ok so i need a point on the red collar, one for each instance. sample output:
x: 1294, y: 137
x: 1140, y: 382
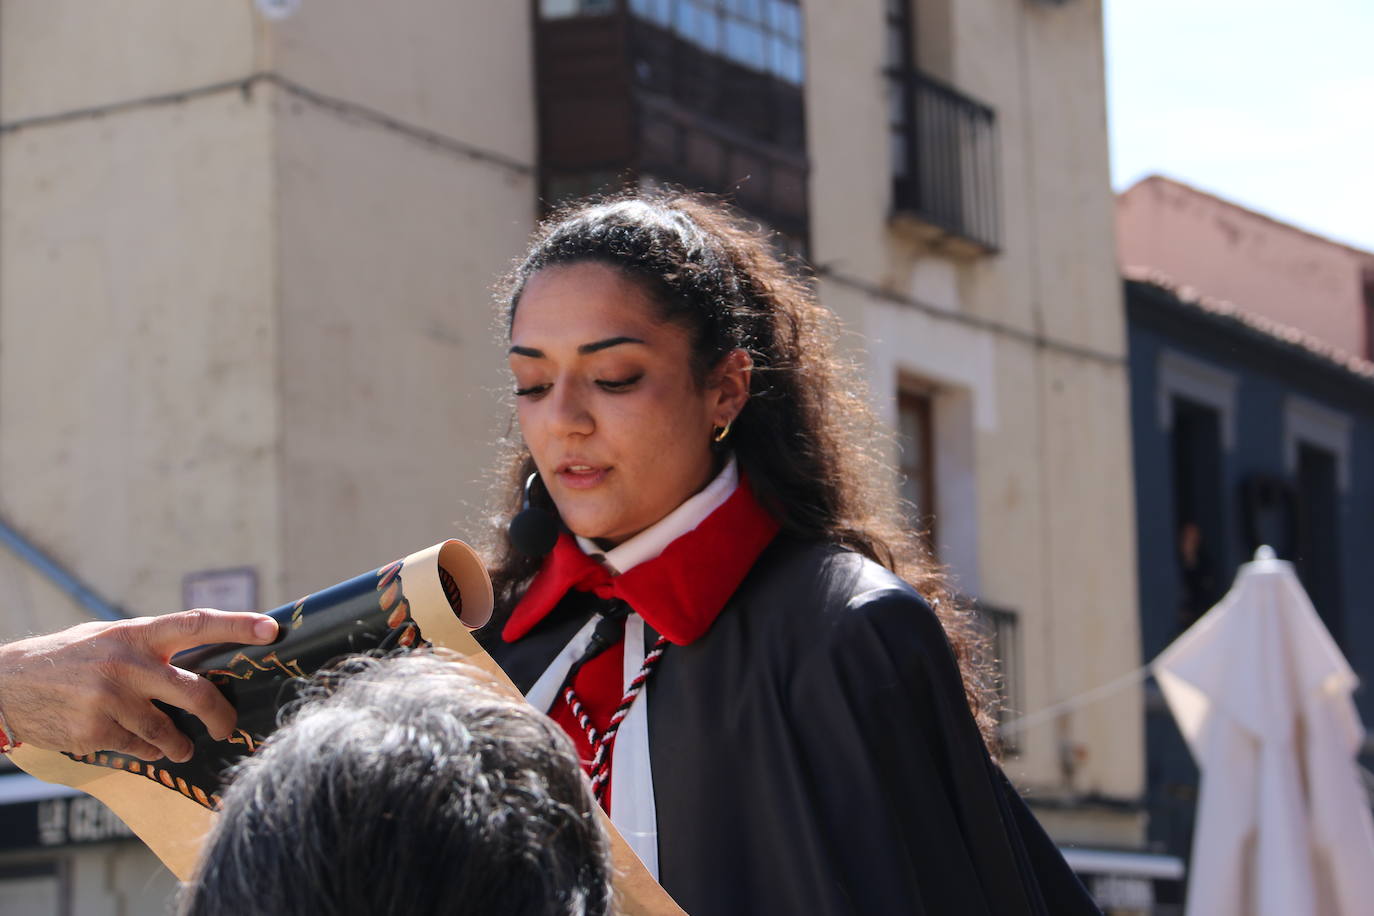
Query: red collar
x: 680, y: 592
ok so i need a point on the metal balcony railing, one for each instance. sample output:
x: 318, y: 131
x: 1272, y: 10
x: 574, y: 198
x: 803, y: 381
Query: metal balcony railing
x: 944, y: 147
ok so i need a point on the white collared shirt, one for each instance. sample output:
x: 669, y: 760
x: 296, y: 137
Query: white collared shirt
x: 632, y: 787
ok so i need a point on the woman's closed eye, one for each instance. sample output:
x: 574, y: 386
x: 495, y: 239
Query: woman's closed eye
x: 619, y: 384
x: 606, y: 384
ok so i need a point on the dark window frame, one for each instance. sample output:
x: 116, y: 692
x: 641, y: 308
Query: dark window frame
x: 1316, y: 482
x: 1199, y: 499
x: 1002, y: 627
x: 917, y: 399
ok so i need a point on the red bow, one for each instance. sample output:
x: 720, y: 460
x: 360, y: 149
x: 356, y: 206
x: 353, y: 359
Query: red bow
x: 680, y: 592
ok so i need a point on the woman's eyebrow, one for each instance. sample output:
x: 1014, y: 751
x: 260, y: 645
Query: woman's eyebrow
x: 608, y: 342
x: 585, y: 349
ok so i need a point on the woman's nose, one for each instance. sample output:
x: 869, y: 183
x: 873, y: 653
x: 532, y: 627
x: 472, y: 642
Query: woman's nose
x: 571, y: 412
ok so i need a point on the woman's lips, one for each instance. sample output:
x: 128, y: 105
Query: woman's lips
x: 581, y: 476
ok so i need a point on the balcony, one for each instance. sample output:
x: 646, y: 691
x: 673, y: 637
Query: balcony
x: 945, y: 164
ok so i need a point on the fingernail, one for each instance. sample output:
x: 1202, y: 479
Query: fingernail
x: 265, y: 628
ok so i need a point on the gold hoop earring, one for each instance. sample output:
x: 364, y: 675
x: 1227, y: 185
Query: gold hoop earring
x: 722, y: 432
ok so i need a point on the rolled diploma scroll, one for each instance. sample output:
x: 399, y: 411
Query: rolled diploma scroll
x: 170, y: 806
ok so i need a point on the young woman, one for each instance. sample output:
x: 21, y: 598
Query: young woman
x: 729, y: 625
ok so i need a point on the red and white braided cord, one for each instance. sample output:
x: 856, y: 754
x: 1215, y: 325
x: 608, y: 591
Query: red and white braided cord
x: 600, y: 767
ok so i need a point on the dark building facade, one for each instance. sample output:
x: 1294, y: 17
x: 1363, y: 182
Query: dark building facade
x: 1245, y: 433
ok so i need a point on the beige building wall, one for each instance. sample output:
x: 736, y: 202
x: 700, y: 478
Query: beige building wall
x: 234, y: 307
x: 394, y: 216
x: 138, y: 409
x: 245, y: 303
x: 1226, y: 251
x: 1025, y: 349
x: 137, y: 425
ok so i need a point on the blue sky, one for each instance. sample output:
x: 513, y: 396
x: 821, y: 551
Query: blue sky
x: 1268, y: 104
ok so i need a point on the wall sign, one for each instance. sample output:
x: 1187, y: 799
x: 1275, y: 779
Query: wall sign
x: 222, y: 589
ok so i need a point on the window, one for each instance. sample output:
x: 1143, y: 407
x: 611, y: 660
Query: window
x: 1317, y: 441
x: 915, y: 441
x: 1318, y: 558
x: 762, y: 35
x: 942, y: 143
x: 1311, y: 423
x: 785, y: 20
x: 1196, y: 382
x: 1199, y: 515
x: 1004, y: 638
x: 898, y: 60
x: 935, y: 413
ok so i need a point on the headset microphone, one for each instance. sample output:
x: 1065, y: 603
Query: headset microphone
x: 533, y: 531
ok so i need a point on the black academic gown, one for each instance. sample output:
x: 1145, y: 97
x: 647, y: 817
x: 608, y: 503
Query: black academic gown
x: 813, y: 753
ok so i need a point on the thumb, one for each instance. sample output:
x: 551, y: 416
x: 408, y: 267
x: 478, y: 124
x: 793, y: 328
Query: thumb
x: 171, y: 633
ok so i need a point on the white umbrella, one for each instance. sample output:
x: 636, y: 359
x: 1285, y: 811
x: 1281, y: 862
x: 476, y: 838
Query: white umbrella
x: 1262, y: 695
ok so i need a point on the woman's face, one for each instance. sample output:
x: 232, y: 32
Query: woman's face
x: 619, y: 428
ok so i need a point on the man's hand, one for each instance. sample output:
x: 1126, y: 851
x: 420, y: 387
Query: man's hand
x: 90, y: 688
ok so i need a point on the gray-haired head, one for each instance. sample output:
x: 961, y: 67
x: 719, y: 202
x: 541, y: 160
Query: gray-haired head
x: 405, y: 785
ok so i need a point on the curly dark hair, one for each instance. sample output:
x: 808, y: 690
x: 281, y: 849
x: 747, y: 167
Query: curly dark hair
x: 807, y: 438
x: 411, y: 785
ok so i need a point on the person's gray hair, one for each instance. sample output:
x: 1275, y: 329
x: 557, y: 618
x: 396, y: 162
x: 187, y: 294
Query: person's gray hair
x: 406, y: 785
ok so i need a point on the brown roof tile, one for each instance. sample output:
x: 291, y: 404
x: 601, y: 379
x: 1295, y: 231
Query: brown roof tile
x: 1292, y: 336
